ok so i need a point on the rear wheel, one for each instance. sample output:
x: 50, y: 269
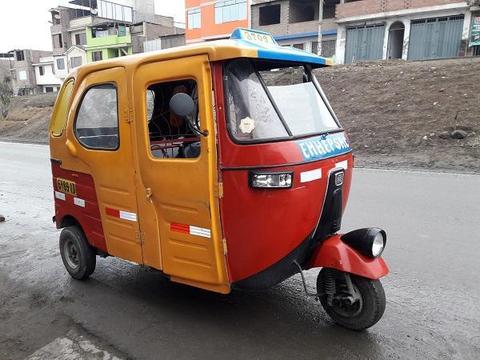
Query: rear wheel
x: 78, y: 256
x: 352, y: 301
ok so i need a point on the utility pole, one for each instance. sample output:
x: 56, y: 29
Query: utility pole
x: 320, y: 20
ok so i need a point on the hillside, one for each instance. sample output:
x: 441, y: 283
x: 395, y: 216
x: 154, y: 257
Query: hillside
x: 397, y: 114
x: 403, y: 115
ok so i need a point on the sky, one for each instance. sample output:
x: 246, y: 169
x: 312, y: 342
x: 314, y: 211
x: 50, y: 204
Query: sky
x: 30, y: 27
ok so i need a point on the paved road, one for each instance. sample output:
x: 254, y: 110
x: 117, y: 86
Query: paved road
x: 433, y: 292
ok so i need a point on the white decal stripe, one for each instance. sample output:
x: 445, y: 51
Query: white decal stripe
x: 59, y: 195
x: 311, y: 175
x: 125, y: 215
x: 79, y: 202
x: 342, y: 164
x: 194, y: 230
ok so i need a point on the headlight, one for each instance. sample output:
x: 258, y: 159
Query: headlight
x: 378, y: 244
x: 369, y: 241
x: 270, y: 180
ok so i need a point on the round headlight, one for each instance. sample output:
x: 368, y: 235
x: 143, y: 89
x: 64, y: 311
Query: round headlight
x: 378, y: 244
x: 369, y: 241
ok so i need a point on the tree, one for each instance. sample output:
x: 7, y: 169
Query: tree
x: 5, y: 95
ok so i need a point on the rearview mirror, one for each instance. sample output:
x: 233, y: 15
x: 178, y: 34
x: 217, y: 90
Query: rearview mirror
x: 182, y: 105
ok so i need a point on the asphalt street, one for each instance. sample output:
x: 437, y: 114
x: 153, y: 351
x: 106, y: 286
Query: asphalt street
x: 127, y: 311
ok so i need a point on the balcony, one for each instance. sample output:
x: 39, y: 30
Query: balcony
x: 370, y: 7
x: 107, y: 37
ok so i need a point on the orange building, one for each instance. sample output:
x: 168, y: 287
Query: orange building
x: 210, y: 20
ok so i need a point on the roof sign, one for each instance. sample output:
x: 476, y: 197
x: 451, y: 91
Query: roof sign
x: 254, y: 36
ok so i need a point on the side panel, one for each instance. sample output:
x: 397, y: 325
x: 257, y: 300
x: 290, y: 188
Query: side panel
x: 83, y: 206
x: 112, y: 171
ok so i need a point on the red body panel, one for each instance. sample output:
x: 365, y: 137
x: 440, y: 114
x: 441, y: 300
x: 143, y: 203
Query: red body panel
x: 263, y: 226
x: 88, y: 216
x: 335, y: 254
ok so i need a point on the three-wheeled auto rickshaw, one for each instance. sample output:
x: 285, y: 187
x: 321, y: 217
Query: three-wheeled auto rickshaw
x: 221, y: 164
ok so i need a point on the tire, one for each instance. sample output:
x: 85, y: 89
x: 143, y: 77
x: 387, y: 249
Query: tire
x: 366, y: 312
x: 78, y: 257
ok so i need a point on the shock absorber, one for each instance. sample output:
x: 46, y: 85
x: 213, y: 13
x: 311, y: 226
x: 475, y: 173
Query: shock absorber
x: 329, y: 285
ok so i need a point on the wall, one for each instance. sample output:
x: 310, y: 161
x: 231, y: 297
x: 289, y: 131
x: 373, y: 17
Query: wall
x: 209, y: 30
x: 48, y: 77
x: 405, y: 18
x: 366, y: 7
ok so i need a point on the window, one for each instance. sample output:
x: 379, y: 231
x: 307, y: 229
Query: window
x: 20, y: 55
x: 75, y: 61
x: 41, y: 70
x: 96, y: 125
x: 97, y: 56
x: 170, y: 135
x: 267, y: 101
x: 298, y: 46
x: 57, y: 41
x: 60, y: 112
x: 270, y: 15
x: 194, y: 18
x: 60, y: 64
x: 329, y: 7
x: 22, y: 75
x: 300, y: 11
x: 80, y: 39
x: 230, y: 10
x: 48, y: 89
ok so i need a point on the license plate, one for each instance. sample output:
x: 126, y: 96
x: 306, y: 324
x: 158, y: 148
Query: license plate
x: 66, y: 186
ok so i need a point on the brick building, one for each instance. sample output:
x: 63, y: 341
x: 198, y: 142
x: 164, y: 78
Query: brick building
x: 305, y: 24
x: 404, y: 29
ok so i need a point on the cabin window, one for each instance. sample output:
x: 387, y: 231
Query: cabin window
x: 62, y: 106
x: 96, y: 125
x: 171, y: 136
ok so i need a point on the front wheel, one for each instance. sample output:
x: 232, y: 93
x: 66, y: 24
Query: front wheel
x: 352, y: 301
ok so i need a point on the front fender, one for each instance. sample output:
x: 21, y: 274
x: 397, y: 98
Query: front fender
x: 334, y: 253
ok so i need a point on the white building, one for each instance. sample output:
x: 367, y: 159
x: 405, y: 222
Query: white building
x: 45, y: 76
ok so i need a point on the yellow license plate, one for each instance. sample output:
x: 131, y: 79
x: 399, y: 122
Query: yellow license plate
x: 66, y: 186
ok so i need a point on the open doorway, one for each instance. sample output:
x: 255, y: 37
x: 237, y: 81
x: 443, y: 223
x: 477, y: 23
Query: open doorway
x: 395, y: 40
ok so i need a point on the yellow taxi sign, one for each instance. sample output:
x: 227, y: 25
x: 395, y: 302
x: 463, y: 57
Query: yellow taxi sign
x: 254, y: 36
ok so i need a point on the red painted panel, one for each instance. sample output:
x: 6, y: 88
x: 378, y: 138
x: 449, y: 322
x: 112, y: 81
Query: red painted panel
x: 88, y: 216
x: 335, y: 254
x: 263, y: 226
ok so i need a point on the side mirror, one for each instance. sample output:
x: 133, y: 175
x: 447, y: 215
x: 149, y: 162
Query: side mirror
x: 182, y: 105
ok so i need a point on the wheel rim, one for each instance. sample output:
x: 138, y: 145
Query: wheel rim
x: 345, y: 309
x: 72, y: 254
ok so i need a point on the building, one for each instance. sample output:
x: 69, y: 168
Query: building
x: 84, y: 31
x: 159, y: 32
x: 22, y: 71
x: 404, y: 29
x: 212, y: 20
x: 305, y: 24
x: 5, y: 61
x: 91, y: 30
x: 45, y: 76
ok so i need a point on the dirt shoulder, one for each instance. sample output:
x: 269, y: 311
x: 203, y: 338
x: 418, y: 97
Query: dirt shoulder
x: 410, y: 115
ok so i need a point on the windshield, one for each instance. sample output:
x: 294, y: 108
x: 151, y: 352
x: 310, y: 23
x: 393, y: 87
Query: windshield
x: 268, y: 102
